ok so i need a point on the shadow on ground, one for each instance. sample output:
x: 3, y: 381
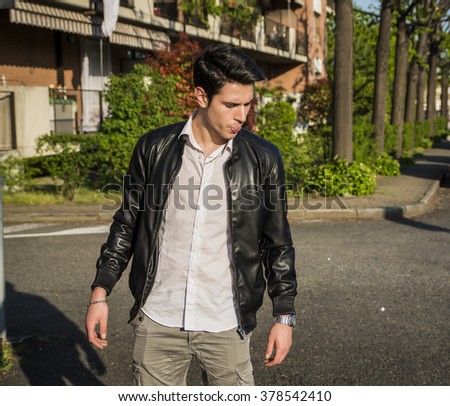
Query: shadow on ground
x: 50, y: 347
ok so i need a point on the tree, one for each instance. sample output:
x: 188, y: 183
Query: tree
x: 276, y: 123
x: 365, y: 33
x: 423, y: 18
x: 343, y: 82
x: 401, y: 71
x: 436, y: 39
x: 179, y: 62
x: 381, y: 73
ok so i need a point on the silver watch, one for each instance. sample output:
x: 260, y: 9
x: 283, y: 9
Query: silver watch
x: 288, y: 320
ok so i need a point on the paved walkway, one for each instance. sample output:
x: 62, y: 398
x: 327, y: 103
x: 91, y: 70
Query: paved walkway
x: 401, y: 196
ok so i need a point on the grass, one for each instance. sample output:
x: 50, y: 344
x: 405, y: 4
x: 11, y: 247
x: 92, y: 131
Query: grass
x: 8, y: 357
x: 42, y: 197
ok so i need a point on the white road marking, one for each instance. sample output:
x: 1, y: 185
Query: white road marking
x: 100, y: 229
x: 28, y: 226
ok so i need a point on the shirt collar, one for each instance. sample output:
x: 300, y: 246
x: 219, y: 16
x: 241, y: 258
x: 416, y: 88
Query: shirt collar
x: 189, y: 135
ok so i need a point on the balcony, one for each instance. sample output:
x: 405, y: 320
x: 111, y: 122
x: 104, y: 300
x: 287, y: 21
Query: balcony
x: 170, y: 10
x: 166, y: 9
x: 277, y: 34
x: 232, y: 29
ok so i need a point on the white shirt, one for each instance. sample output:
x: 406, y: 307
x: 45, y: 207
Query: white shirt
x: 193, y: 286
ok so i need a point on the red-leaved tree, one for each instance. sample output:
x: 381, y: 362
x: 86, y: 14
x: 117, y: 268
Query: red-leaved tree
x: 178, y: 62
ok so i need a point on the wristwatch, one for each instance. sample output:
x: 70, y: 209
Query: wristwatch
x: 288, y: 320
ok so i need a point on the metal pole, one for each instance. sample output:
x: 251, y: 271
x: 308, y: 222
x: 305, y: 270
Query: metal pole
x: 2, y: 273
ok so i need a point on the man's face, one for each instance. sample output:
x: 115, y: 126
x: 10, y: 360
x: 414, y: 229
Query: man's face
x: 227, y: 111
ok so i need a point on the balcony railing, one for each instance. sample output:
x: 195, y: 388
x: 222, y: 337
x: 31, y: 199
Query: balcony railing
x: 230, y: 28
x: 166, y: 10
x: 277, y: 34
x: 171, y: 11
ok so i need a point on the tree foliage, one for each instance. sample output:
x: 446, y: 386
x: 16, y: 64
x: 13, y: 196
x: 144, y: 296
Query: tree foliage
x: 316, y: 103
x: 140, y: 101
x: 178, y: 62
x: 276, y: 123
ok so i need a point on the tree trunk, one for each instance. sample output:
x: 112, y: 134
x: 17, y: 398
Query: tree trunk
x: 381, y: 73
x: 413, y: 79
x: 444, y: 94
x: 343, y: 82
x: 432, y: 84
x: 421, y: 81
x: 401, y: 72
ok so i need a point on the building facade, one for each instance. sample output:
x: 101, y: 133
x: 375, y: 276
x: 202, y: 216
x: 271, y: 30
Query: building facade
x: 56, y: 55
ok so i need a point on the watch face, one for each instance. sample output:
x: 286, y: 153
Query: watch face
x: 292, y: 320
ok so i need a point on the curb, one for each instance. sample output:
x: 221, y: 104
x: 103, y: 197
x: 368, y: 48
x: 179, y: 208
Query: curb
x: 376, y: 213
x: 100, y: 218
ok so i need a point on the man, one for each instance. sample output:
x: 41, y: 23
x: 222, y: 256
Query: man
x: 204, y: 217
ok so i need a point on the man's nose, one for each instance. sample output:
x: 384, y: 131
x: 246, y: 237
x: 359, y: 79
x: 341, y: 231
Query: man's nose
x: 241, y: 114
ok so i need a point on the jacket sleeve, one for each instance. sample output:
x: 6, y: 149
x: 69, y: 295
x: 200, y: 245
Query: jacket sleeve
x: 277, y: 250
x: 118, y: 249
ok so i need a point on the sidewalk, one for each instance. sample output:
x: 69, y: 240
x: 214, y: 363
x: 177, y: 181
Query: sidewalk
x: 395, y: 197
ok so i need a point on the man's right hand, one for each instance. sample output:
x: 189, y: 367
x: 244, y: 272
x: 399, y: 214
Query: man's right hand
x: 97, y: 315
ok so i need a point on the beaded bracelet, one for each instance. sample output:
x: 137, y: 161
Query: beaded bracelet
x: 96, y: 301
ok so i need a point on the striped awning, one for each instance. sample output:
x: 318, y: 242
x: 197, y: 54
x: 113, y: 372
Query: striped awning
x: 74, y: 22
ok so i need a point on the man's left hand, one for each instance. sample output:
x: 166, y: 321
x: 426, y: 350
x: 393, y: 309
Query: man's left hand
x: 278, y: 344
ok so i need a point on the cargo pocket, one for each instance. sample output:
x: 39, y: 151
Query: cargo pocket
x: 245, y: 376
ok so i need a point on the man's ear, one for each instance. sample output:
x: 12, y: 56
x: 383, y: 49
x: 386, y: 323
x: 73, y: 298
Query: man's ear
x: 201, y: 97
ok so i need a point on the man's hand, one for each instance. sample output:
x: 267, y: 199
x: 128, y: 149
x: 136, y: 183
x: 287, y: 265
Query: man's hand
x: 278, y: 344
x: 97, y: 315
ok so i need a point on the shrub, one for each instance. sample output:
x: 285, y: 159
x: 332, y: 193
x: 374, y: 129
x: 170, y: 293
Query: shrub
x: 112, y: 156
x: 140, y: 101
x: 385, y: 164
x: 276, y: 123
x: 364, y: 144
x: 338, y: 177
x: 316, y: 103
x: 68, y: 158
x: 441, y: 125
x: 390, y: 139
x: 16, y: 174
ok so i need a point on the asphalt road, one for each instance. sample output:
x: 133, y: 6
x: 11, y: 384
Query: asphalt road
x: 373, y: 306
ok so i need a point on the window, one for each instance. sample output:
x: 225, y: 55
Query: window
x: 317, y: 66
x: 316, y: 27
x: 318, y: 6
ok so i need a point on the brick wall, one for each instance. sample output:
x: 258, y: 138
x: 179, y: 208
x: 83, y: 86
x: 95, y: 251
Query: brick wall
x: 28, y: 56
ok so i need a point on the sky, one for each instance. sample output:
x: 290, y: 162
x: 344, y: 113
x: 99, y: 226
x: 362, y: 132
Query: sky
x: 364, y: 4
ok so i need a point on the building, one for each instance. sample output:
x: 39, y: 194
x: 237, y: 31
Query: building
x: 55, y: 55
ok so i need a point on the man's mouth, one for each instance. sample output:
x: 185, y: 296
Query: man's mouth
x: 235, y: 130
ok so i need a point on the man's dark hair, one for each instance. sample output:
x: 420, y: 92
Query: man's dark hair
x: 223, y: 63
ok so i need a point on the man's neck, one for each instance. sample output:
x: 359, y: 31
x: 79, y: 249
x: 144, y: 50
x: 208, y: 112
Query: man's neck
x: 206, y: 139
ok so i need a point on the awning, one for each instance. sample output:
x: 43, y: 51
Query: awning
x: 74, y: 22
x: 139, y: 37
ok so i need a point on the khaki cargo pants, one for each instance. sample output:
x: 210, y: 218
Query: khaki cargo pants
x: 161, y: 355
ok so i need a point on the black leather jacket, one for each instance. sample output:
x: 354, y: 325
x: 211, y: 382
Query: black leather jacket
x: 260, y: 235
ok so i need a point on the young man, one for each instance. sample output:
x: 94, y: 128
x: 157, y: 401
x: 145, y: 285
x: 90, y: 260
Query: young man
x: 204, y: 217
